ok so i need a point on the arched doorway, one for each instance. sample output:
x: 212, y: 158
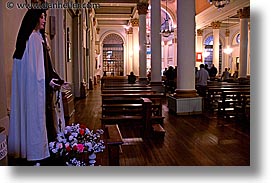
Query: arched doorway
x: 208, y: 48
x: 113, y: 55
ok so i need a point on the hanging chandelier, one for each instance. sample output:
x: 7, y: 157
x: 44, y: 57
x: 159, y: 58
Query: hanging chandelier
x: 166, y: 29
x: 219, y: 3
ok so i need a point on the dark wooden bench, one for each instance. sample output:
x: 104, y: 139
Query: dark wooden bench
x: 130, y: 112
x: 127, y: 91
x: 214, y: 94
x: 158, y: 131
x: 129, y: 88
x: 156, y: 98
x: 114, y: 141
x: 120, y: 85
x: 233, y: 103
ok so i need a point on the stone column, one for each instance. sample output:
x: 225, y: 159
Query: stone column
x: 185, y: 101
x: 227, y: 56
x: 76, y: 48
x: 135, y: 66
x: 156, y: 61
x: 142, y: 11
x: 244, y: 15
x: 186, y: 49
x: 129, y: 39
x: 216, y: 44
x: 199, y: 45
x: 165, y: 53
x: 174, y: 41
x: 57, y: 38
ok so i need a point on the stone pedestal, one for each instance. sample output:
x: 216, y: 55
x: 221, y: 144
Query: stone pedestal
x: 185, y: 106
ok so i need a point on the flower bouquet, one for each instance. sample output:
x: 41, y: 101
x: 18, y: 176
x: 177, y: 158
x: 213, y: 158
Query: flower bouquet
x: 77, y: 145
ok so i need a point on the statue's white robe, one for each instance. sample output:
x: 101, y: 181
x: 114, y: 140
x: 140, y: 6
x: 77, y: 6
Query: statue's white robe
x: 27, y: 136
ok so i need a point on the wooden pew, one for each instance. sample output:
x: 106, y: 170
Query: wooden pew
x: 135, y: 113
x: 234, y: 103
x: 156, y: 98
x: 113, y: 79
x: 214, y: 94
x: 127, y: 91
x: 129, y: 88
x: 114, y: 141
x: 117, y: 84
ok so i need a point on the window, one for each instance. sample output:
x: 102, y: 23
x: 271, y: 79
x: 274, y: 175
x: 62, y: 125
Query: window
x: 209, y: 48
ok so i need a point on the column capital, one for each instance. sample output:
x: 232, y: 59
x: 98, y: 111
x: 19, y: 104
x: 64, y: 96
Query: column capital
x: 244, y: 13
x: 142, y: 8
x: 227, y: 33
x: 199, y: 32
x: 129, y: 30
x: 216, y: 25
x: 135, y: 22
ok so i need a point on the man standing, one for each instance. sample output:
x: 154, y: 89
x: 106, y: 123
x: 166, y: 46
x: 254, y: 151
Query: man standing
x: 201, y: 81
x: 213, y: 72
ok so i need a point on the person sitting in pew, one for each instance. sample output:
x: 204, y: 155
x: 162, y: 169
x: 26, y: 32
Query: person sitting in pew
x: 225, y: 75
x: 132, y: 78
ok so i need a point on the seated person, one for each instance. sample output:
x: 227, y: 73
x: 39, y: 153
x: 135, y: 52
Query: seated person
x: 225, y: 75
x: 131, y: 78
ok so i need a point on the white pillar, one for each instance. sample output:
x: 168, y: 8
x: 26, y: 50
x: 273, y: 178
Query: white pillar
x: 244, y: 15
x: 135, y: 46
x: 185, y: 101
x: 155, y: 42
x: 199, y: 45
x: 76, y: 47
x: 186, y: 47
x: 227, y: 56
x: 130, y: 51
x: 174, y: 41
x: 142, y: 11
x: 216, y: 44
x: 165, y: 54
x: 57, y: 41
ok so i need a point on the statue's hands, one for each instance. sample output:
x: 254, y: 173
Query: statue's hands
x: 54, y: 84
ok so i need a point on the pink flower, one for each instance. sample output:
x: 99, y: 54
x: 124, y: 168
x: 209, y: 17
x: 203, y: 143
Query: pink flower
x: 80, y: 147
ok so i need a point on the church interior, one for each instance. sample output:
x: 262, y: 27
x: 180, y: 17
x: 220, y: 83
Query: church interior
x: 154, y: 120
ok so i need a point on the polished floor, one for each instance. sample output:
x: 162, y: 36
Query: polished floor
x: 197, y: 140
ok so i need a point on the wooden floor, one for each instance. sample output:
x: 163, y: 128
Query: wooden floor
x: 198, y: 140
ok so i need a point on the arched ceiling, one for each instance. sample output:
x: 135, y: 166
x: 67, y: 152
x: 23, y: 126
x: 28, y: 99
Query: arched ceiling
x: 119, y: 12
